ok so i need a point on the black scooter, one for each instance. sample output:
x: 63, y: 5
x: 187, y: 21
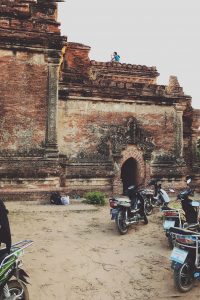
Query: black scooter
x: 187, y: 217
x: 191, y: 208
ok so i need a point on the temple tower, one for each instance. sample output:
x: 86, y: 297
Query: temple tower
x: 30, y: 51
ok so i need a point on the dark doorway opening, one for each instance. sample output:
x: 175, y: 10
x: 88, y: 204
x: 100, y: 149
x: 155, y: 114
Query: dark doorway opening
x: 129, y: 173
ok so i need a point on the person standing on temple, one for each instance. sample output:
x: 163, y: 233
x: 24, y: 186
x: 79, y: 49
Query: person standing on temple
x: 115, y: 57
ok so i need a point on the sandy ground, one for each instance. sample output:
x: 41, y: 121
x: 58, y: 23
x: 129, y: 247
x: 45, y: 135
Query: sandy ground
x: 78, y: 254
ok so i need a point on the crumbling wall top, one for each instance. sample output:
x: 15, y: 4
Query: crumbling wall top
x: 124, y: 72
x: 29, y: 23
x: 81, y: 76
x: 77, y: 60
x: 173, y: 87
x: 29, y: 15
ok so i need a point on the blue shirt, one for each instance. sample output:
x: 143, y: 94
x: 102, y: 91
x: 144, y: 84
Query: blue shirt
x: 117, y: 57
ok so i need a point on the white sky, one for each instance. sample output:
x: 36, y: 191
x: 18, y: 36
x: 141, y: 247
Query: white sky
x: 161, y: 33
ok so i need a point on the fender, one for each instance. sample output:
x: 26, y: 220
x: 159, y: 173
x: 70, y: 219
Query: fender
x: 175, y: 265
x: 21, y: 275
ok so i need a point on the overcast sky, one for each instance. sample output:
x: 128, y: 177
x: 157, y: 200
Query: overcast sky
x: 161, y: 33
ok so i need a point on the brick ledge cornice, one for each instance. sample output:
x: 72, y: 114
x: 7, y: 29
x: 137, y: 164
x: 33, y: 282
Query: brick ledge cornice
x: 23, y: 39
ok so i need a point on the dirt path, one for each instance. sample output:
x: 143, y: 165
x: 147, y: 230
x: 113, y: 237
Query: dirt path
x: 78, y: 255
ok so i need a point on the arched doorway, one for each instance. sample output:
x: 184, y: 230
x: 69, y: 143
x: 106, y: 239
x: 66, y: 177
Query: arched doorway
x: 129, y: 173
x: 141, y: 167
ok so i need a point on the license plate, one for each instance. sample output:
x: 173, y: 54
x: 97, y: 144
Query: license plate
x: 196, y: 274
x: 167, y: 224
x: 178, y: 255
x: 113, y: 213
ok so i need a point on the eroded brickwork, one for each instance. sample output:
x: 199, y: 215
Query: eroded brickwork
x: 194, y: 143
x: 23, y: 114
x: 107, y: 108
x: 30, y: 51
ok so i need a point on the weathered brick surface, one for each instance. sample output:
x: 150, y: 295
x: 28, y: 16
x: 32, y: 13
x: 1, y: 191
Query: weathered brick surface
x: 23, y: 115
x: 30, y: 50
x: 100, y: 103
x: 83, y: 124
x: 90, y: 131
x: 38, y: 15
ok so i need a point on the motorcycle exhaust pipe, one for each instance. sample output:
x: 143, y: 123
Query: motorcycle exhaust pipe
x: 130, y: 222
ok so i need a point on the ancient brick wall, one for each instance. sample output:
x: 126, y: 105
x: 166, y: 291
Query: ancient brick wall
x: 106, y: 112
x: 87, y: 126
x: 30, y: 52
x: 107, y: 108
x: 195, y: 147
x: 195, y: 125
x: 23, y: 84
x: 92, y: 131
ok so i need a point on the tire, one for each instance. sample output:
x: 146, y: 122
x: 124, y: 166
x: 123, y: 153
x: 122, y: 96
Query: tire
x: 145, y: 220
x: 148, y: 208
x: 183, y: 278
x: 15, y: 288
x: 120, y: 222
x: 170, y: 242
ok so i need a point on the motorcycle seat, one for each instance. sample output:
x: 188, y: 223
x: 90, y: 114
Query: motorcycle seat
x: 124, y: 198
x: 193, y: 226
x: 177, y: 230
x: 134, y: 210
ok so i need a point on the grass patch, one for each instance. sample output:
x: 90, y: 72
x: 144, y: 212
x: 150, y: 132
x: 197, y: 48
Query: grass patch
x: 95, y: 198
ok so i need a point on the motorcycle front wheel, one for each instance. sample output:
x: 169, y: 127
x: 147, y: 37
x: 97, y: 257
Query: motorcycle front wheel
x: 16, y: 288
x: 120, y: 222
x: 183, y: 278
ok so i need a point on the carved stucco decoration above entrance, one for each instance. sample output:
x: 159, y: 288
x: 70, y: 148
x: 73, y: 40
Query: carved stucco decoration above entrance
x: 118, y: 137
x: 129, y: 141
x: 115, y: 138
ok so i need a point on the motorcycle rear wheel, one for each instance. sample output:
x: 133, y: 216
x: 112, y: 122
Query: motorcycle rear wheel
x: 15, y: 288
x: 120, y: 222
x: 183, y: 278
x: 148, y: 208
x: 145, y: 219
x: 170, y: 242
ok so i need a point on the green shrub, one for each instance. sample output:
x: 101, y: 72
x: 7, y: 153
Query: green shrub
x: 97, y: 198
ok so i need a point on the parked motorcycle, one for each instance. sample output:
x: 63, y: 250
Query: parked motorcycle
x: 187, y: 217
x: 155, y: 198
x: 185, y: 258
x: 12, y: 277
x: 172, y: 218
x: 191, y: 208
x: 127, y: 211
